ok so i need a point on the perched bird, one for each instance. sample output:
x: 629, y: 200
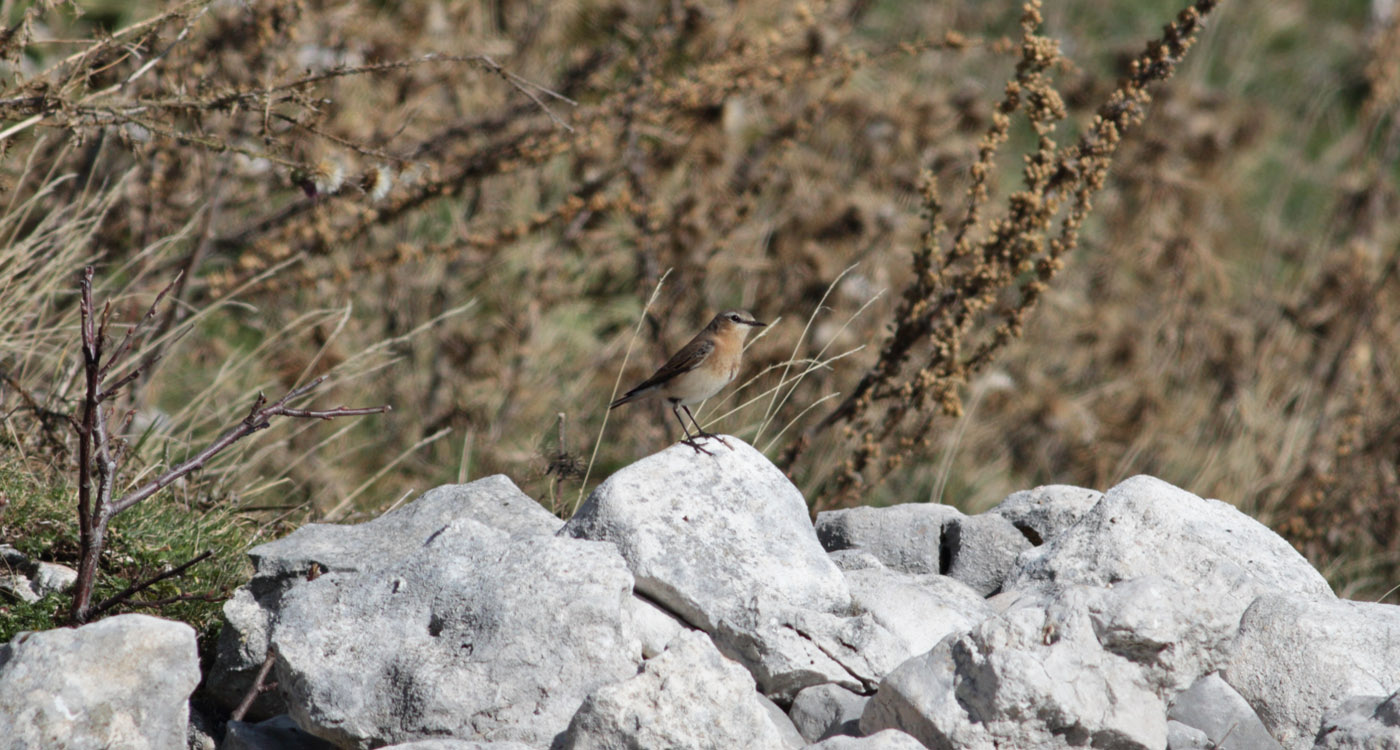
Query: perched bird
x: 698, y: 371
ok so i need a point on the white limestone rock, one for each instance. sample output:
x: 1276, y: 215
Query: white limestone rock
x: 1029, y: 678
x: 690, y: 696
x: 285, y: 563
x: 474, y: 635
x: 1296, y: 658
x: 120, y: 682
x: 724, y: 542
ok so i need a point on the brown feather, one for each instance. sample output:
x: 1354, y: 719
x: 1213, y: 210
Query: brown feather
x: 690, y: 356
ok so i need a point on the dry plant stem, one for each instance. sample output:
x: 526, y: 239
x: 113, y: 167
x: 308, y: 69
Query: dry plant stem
x: 208, y: 596
x: 255, y: 689
x: 135, y: 588
x: 97, y: 467
x: 953, y: 290
x: 617, y: 386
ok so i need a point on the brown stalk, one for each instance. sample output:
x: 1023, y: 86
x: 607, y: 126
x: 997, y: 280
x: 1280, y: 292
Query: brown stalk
x: 952, y: 292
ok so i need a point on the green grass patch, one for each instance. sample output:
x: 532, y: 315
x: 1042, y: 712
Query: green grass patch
x: 40, y: 520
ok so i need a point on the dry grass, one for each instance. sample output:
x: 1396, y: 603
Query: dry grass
x: 474, y: 238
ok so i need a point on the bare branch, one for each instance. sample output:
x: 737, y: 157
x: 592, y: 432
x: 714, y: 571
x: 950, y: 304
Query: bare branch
x: 208, y: 596
x: 339, y: 411
x: 136, y: 588
x: 258, y: 418
x: 125, y: 346
x: 255, y: 689
x: 97, y: 463
x: 112, y: 389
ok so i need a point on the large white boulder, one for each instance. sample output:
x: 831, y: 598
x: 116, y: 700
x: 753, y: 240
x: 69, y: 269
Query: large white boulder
x: 724, y: 541
x: 474, y: 635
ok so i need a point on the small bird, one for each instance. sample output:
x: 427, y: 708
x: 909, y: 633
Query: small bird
x: 698, y: 371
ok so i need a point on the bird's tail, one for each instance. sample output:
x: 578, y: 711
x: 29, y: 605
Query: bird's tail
x: 620, y: 402
x: 629, y: 397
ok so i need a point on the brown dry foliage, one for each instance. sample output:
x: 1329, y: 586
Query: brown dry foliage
x: 1071, y: 293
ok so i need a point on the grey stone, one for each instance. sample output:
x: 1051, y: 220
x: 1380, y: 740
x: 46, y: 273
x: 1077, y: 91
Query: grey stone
x: 1042, y: 513
x: 855, y: 559
x: 906, y: 538
x: 242, y: 647
x: 920, y: 609
x: 823, y: 711
x: 652, y: 625
x: 475, y: 634
x: 1388, y: 712
x: 1182, y: 737
x: 445, y: 744
x: 787, y: 731
x: 1174, y: 633
x: 1214, y: 707
x: 688, y: 697
x: 120, y: 682
x: 982, y: 550
x: 278, y: 733
x: 1146, y: 527
x: 889, y: 739
x: 31, y: 580
x: 1296, y: 658
x: 199, y: 734
x: 724, y: 541
x: 1370, y: 722
x: 1028, y: 678
x: 285, y: 563
x: 51, y: 578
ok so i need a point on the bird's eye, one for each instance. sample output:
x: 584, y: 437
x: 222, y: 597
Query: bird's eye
x: 734, y: 317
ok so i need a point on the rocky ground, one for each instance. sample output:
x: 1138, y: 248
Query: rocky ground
x: 692, y: 603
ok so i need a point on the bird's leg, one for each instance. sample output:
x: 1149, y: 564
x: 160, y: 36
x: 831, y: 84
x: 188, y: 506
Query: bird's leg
x: 700, y: 431
x: 688, y: 440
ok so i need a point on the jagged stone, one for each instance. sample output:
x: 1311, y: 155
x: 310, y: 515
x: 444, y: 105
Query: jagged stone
x: 724, y: 542
x: 120, y: 682
x: 1029, y: 678
x: 287, y: 562
x: 1041, y: 514
x: 1296, y: 658
x: 474, y: 635
x: 906, y: 537
x: 690, y: 696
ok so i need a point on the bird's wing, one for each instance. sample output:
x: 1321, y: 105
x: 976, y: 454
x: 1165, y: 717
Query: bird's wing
x: 691, y: 356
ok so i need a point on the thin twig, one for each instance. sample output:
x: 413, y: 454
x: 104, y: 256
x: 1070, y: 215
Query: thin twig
x: 255, y: 689
x: 125, y: 346
x: 208, y: 596
x: 259, y: 418
x: 136, y: 588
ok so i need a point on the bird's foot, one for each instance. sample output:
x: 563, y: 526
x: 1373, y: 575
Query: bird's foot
x: 694, y: 442
x: 721, y: 440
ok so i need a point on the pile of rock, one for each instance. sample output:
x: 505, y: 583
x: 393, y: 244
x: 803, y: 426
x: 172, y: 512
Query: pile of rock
x: 691, y: 603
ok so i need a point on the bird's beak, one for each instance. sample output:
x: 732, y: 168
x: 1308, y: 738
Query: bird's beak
x: 754, y: 323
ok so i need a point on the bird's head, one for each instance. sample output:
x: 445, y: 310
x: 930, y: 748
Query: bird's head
x: 735, y: 322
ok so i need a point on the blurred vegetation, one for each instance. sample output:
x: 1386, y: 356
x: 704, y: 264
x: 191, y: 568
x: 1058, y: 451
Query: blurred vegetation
x: 463, y: 210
